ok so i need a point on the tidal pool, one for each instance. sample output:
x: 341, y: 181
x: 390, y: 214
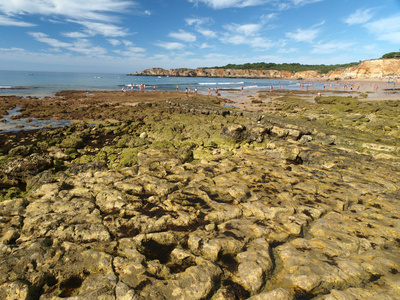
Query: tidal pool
x: 8, y: 124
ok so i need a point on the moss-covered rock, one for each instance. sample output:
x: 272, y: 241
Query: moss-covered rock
x: 72, y: 141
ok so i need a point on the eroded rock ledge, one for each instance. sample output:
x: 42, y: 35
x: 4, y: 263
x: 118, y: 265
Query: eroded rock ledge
x: 255, y: 225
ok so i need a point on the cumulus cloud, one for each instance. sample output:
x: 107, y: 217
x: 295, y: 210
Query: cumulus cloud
x: 183, y: 36
x: 303, y: 35
x: 81, y: 45
x: 127, y: 43
x: 220, y: 4
x: 196, y: 21
x: 75, y: 35
x: 6, y: 21
x: 331, y: 47
x: 107, y: 30
x: 205, y: 46
x: 171, y: 46
x: 246, y: 34
x: 44, y: 38
x: 285, y: 5
x: 207, y: 33
x: 131, y: 52
x: 360, y: 16
x: 76, y: 9
x: 114, y: 42
x: 386, y: 29
x: 246, y: 29
x: 304, y: 2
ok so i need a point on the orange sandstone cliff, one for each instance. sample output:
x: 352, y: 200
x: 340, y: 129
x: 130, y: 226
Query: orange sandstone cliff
x: 367, y: 69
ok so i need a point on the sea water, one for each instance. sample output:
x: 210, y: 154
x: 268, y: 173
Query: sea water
x: 40, y: 84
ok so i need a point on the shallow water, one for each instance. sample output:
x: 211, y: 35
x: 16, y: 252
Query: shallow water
x: 40, y: 84
x: 8, y: 124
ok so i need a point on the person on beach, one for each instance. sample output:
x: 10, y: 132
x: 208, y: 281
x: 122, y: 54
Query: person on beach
x: 209, y: 91
x: 242, y: 89
x: 177, y: 88
x: 189, y: 89
x: 195, y: 91
x: 216, y: 91
x: 154, y: 88
x: 187, y: 92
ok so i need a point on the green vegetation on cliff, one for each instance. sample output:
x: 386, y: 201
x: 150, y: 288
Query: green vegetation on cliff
x: 292, y: 67
x: 391, y: 55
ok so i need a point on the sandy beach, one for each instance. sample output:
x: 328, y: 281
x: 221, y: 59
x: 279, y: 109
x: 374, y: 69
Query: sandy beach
x: 364, y: 89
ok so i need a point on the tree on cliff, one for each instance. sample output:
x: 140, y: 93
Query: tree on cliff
x: 391, y: 55
x: 292, y: 67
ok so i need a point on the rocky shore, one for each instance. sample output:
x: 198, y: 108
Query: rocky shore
x: 155, y: 196
x: 370, y: 69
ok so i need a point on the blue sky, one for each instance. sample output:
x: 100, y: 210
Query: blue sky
x: 124, y: 36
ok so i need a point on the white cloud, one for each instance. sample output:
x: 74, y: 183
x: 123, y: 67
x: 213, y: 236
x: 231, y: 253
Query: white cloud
x: 85, y: 47
x: 6, y: 21
x: 108, y: 30
x: 246, y: 34
x: 207, y: 33
x: 131, y: 52
x: 198, y: 22
x: 81, y: 45
x: 266, y: 18
x: 137, y: 49
x: 76, y: 9
x: 195, y: 21
x: 220, y: 4
x: 75, y: 35
x: 183, y: 36
x: 12, y: 50
x: 171, y: 46
x: 205, y: 46
x: 305, y: 2
x: 114, y: 42
x: 127, y: 43
x: 387, y: 29
x: 246, y: 29
x: 44, y: 38
x: 360, y: 16
x: 306, y: 35
x: 289, y: 50
x: 331, y: 47
x: 285, y: 5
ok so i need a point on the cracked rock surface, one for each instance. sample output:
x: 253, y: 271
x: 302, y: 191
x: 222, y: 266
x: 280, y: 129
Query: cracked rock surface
x: 248, y: 225
x: 179, y: 201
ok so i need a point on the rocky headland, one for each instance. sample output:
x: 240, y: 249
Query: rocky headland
x: 155, y: 196
x: 368, y: 69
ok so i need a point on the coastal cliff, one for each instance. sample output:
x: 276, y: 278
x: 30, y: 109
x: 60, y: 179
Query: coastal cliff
x: 367, y: 69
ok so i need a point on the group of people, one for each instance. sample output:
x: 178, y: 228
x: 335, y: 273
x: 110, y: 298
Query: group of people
x: 189, y: 89
x: 142, y: 87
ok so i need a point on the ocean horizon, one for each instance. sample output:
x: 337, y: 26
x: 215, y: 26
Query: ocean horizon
x: 42, y: 84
